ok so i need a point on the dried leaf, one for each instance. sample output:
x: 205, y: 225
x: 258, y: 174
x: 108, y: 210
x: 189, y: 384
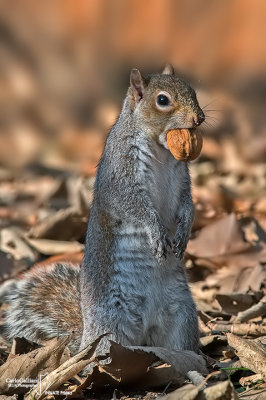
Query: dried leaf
x: 212, y: 240
x: 187, y: 392
x: 65, y: 371
x: 251, y: 353
x: 235, y: 302
x: 214, y: 345
x: 257, y: 310
x: 235, y: 278
x: 254, y: 394
x: 13, y: 243
x: 220, y: 391
x: 53, y: 227
x: 251, y: 329
x: 247, y: 380
x: 22, y: 346
x: 10, y: 267
x: 144, y: 367
x: 30, y: 365
x: 46, y: 246
x: 210, y: 339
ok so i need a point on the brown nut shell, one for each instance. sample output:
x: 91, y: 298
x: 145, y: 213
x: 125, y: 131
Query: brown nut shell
x: 185, y: 145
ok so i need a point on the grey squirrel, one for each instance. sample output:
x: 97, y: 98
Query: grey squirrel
x: 132, y: 281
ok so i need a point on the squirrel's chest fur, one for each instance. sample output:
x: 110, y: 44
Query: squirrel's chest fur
x: 164, y: 179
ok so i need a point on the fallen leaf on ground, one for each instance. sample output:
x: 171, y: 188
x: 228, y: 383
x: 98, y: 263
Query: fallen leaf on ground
x: 235, y: 302
x: 54, y: 226
x: 213, y: 344
x: 257, y: 310
x: 10, y: 267
x: 187, y: 392
x: 46, y: 246
x: 252, y: 354
x: 251, y: 329
x: 12, y: 242
x: 220, y: 391
x: 145, y: 367
x: 64, y: 372
x: 22, y: 346
x: 30, y: 365
x: 212, y: 240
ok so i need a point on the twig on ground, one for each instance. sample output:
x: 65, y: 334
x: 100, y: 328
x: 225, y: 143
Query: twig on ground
x: 238, y: 329
x: 257, y: 310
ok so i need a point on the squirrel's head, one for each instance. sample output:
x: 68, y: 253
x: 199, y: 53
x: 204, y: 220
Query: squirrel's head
x: 162, y: 102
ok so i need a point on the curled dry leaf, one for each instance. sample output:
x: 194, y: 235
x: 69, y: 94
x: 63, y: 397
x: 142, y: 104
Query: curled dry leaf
x: 54, y: 226
x: 12, y: 242
x: 212, y: 241
x: 144, y: 367
x: 235, y: 302
x: 204, y: 329
x: 257, y: 310
x: 240, y: 273
x: 247, y: 380
x: 9, y: 267
x: 220, y: 391
x: 30, y: 365
x: 251, y: 353
x: 72, y: 259
x: 22, y: 346
x: 187, y: 392
x: 213, y: 345
x: 182, y: 360
x: 52, y: 247
x: 252, y: 329
x: 64, y: 372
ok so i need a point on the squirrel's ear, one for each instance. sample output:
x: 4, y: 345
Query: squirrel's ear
x: 168, y: 70
x: 137, y: 84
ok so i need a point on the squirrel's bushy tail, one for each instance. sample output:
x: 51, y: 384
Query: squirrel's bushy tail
x: 45, y: 302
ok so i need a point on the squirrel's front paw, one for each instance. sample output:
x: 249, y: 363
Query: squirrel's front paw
x: 179, y: 246
x: 160, y: 244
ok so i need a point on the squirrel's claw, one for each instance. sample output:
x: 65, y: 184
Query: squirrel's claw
x: 163, y: 246
x: 179, y: 248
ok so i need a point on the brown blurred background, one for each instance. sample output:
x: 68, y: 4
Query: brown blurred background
x: 64, y: 68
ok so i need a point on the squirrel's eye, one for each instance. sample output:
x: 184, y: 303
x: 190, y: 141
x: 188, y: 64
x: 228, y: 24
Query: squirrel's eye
x: 162, y: 100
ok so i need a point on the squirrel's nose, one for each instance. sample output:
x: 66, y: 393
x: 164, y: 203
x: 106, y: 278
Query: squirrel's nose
x: 198, y: 118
